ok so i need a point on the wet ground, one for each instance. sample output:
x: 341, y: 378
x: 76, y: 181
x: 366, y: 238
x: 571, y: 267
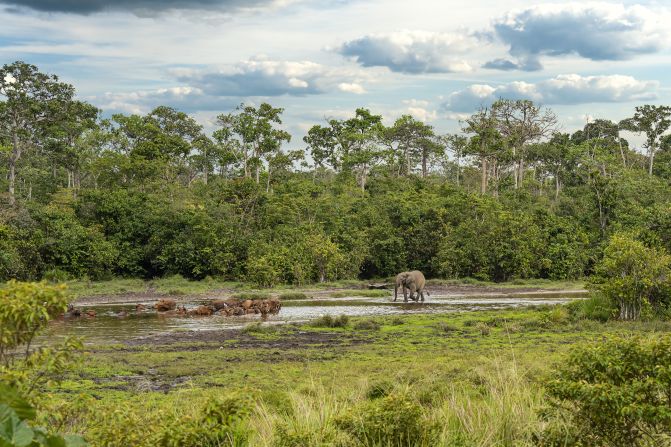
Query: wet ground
x: 117, y: 320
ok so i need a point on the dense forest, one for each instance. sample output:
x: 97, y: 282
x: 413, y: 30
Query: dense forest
x: 511, y: 196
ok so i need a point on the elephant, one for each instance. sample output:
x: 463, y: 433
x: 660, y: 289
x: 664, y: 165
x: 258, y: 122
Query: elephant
x: 413, y: 281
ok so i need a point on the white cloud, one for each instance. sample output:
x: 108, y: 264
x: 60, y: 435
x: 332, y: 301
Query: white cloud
x: 411, y: 51
x: 563, y: 89
x: 263, y: 77
x: 596, y: 31
x: 351, y: 87
x: 420, y: 110
x: 187, y: 99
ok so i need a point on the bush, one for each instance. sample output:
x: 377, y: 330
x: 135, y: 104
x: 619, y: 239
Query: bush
x: 331, y: 322
x: 259, y: 328
x: 15, y: 414
x: 223, y: 421
x: 393, y: 420
x: 367, y: 325
x: 635, y: 278
x: 26, y: 309
x: 596, y: 307
x: 613, y: 393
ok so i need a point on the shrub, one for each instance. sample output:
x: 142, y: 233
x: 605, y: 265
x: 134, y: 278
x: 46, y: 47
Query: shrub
x: 259, y: 328
x: 483, y: 328
x: 613, y: 393
x: 395, y: 419
x: 447, y: 327
x: 330, y: 321
x: 221, y: 422
x: 26, y: 309
x: 635, y: 278
x: 367, y: 325
x: 596, y: 307
x: 15, y: 430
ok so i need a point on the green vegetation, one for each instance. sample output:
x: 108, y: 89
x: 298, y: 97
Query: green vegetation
x: 487, y: 378
x: 293, y: 296
x: 156, y: 203
x: 329, y: 321
x: 251, y: 296
x: 363, y: 293
x: 27, y: 372
x: 615, y: 393
x: 153, y: 196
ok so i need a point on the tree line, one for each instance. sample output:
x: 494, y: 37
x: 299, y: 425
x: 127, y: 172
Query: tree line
x: 511, y: 196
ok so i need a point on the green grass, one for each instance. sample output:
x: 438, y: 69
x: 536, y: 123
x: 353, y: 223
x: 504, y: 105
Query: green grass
x: 363, y: 293
x: 474, y: 378
x: 173, y: 285
x: 293, y: 296
x: 251, y: 296
x: 178, y: 286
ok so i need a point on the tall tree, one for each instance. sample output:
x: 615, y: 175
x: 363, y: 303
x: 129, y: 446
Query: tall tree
x: 486, y: 138
x: 521, y: 122
x: 33, y: 102
x: 653, y: 121
x: 252, y: 135
x: 457, y: 145
x: 411, y: 141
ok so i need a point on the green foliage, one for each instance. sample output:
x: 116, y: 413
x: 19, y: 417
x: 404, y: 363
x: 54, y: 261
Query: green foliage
x: 396, y: 419
x: 367, y: 325
x: 329, y: 321
x: 597, y: 307
x: 293, y: 296
x: 221, y: 422
x: 635, y: 278
x: 145, y: 196
x: 15, y: 430
x: 613, y: 393
x: 26, y: 310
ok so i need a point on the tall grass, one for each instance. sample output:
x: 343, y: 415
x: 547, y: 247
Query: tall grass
x: 498, y: 407
x: 504, y: 411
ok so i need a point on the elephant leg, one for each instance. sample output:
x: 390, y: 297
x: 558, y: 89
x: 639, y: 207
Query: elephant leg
x: 405, y: 294
x: 422, y: 295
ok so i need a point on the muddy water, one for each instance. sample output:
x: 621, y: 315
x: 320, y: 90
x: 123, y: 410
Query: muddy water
x: 118, y: 322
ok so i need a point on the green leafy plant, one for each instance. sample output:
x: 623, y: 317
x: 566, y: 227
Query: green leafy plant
x: 635, y: 278
x: 615, y: 393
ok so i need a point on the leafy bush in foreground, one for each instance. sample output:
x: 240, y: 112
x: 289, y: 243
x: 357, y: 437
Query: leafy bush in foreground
x: 614, y: 393
x: 15, y: 431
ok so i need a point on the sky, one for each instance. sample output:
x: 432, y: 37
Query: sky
x: 436, y: 60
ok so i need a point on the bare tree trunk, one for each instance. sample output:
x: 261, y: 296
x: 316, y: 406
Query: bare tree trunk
x: 13, y: 158
x: 556, y: 186
x: 458, y: 168
x: 424, y: 163
x: 651, y: 159
x: 624, y: 159
x: 483, y: 179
